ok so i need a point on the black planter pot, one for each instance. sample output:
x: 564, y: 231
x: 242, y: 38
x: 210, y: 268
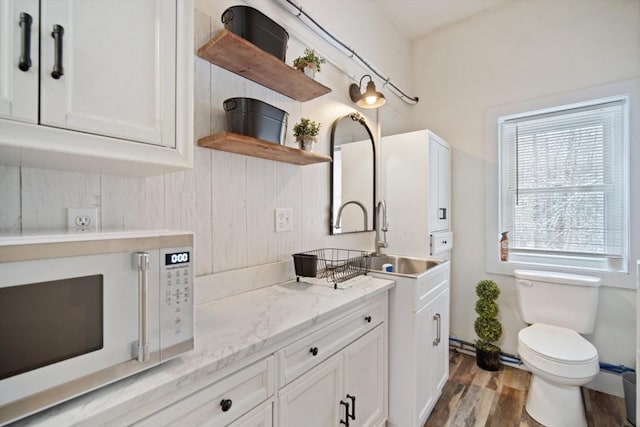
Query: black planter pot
x: 488, y: 360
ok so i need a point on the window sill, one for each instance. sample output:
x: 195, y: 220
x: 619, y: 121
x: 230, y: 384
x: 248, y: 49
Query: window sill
x: 614, y: 279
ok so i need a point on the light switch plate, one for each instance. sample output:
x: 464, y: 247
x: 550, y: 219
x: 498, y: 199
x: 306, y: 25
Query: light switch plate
x: 283, y: 218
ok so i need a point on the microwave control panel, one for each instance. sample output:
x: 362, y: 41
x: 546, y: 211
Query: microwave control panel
x: 176, y: 295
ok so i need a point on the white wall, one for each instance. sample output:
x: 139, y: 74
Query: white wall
x: 518, y: 52
x: 227, y: 199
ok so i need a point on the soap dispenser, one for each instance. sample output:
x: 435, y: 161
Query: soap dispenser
x: 504, y: 247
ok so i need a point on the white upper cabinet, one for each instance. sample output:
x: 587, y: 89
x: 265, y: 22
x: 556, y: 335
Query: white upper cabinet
x: 416, y: 182
x: 440, y: 179
x: 115, y: 83
x: 119, y: 60
x: 19, y: 46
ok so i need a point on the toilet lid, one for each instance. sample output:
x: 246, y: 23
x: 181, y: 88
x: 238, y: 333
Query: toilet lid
x: 557, y: 343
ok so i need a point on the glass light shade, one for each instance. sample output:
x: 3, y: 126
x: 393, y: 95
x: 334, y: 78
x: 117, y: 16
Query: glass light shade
x: 371, y: 98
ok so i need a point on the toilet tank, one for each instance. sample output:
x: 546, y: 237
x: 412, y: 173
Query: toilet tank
x: 560, y: 299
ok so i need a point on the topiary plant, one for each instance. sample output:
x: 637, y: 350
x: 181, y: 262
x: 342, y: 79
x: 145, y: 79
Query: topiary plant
x: 487, y: 326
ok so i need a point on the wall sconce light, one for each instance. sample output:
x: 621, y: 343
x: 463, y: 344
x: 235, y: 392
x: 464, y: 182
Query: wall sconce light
x: 371, y: 98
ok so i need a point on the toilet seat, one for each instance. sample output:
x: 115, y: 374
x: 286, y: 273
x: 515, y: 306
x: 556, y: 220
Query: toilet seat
x: 558, y: 351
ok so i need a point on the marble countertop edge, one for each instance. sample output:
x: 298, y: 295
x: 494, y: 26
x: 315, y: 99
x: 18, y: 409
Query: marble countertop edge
x: 235, y: 329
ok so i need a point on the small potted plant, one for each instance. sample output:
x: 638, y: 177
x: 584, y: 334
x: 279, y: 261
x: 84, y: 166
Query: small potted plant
x: 306, y: 133
x: 487, y: 326
x: 309, y: 63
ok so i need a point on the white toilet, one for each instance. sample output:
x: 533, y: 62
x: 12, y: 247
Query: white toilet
x: 559, y: 307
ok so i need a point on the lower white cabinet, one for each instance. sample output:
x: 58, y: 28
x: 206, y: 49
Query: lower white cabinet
x: 332, y: 374
x: 347, y: 389
x: 314, y: 399
x: 366, y: 377
x: 221, y: 402
x: 418, y: 345
x: 432, y: 361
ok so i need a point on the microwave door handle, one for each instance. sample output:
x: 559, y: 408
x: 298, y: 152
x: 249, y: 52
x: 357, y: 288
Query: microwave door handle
x: 141, y: 263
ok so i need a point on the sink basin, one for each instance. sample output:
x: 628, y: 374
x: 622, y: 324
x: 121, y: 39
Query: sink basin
x: 403, y: 265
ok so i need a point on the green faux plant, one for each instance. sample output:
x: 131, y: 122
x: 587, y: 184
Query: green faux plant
x: 306, y: 127
x: 487, y: 326
x: 309, y: 57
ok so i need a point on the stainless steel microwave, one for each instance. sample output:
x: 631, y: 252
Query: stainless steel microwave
x: 78, y: 311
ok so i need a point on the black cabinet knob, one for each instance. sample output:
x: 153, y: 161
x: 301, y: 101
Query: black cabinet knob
x: 313, y: 351
x: 226, y: 404
x: 368, y: 319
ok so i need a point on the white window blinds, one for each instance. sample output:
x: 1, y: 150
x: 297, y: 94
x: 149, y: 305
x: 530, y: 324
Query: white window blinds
x: 563, y: 182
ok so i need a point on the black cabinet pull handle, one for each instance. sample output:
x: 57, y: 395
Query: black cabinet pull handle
x: 367, y: 319
x: 226, y: 404
x: 443, y: 213
x: 24, y: 63
x: 353, y: 407
x: 58, y: 70
x: 313, y: 351
x: 346, y: 413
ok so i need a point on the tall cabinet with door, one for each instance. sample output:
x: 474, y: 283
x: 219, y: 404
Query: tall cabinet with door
x: 416, y: 177
x: 97, y: 86
x: 416, y: 180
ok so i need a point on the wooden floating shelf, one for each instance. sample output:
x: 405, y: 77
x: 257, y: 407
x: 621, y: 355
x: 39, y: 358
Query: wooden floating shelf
x: 248, y: 146
x: 242, y: 57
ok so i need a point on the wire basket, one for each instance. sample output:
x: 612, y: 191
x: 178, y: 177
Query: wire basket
x: 335, y: 265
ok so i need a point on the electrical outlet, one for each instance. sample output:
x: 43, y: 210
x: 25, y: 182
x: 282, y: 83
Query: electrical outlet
x: 82, y: 219
x: 283, y: 220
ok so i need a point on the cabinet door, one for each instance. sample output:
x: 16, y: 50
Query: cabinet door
x: 365, y: 374
x: 440, y: 183
x: 441, y: 350
x: 432, y: 353
x: 313, y: 400
x: 425, y: 328
x: 18, y: 88
x: 118, y: 60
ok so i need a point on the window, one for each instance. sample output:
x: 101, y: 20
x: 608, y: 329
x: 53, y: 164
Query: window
x: 563, y: 195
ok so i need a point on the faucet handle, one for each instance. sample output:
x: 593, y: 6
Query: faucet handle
x: 382, y: 244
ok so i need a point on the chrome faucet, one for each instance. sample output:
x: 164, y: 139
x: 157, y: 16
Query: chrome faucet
x: 349, y: 202
x: 385, y: 226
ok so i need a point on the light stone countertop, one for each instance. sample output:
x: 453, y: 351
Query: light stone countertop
x: 227, y: 331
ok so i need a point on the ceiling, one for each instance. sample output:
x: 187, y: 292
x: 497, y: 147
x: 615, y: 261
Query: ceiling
x: 417, y: 18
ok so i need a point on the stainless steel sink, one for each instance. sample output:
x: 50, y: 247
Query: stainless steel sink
x: 403, y: 265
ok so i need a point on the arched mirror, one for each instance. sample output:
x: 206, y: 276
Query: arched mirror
x: 353, y: 176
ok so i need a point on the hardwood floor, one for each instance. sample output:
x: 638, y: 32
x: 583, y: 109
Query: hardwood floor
x: 474, y: 397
